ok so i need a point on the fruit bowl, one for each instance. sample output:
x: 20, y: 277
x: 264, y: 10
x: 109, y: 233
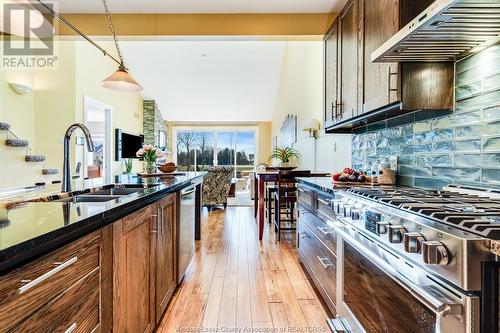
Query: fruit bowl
x: 350, y: 176
x: 168, y: 168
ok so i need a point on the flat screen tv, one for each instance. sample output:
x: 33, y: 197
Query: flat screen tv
x: 130, y: 145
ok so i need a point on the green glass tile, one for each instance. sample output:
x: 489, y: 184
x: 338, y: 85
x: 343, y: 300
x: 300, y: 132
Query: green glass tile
x: 483, y: 100
x: 467, y: 90
x: 407, y: 170
x: 441, y: 147
x: 491, y: 176
x: 423, y: 160
x: 485, y: 60
x: 431, y: 183
x: 443, y: 173
x: 491, y: 144
x: 491, y: 114
x: 466, y: 160
x: 490, y: 160
x: 491, y: 128
x: 467, y: 145
x: 422, y: 126
x: 471, y: 131
x: 405, y: 181
x: 442, y: 160
x: 407, y: 159
x: 492, y: 82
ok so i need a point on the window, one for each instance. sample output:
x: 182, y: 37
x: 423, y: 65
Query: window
x: 198, y: 149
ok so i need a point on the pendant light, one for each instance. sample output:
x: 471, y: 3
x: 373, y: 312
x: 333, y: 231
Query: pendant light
x: 121, y: 79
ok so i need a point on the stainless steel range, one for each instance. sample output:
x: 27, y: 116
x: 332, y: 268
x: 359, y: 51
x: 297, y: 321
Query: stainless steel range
x: 411, y: 260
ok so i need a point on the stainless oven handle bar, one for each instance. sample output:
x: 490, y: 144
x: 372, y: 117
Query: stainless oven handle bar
x: 439, y: 304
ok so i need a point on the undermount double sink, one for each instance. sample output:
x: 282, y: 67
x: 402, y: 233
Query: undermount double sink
x: 107, y: 193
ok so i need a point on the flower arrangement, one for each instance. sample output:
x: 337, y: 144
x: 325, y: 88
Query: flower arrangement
x: 150, y: 153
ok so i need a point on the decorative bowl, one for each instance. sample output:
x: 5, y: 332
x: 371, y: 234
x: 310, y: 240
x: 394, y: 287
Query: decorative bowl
x: 167, y: 168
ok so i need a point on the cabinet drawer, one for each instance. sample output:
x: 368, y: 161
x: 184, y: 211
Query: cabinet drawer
x: 74, y: 311
x: 27, y: 289
x: 324, y: 207
x: 320, y: 229
x: 306, y: 197
x: 320, y: 264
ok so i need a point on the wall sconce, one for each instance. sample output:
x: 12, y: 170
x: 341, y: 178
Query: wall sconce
x: 19, y: 88
x: 311, y: 126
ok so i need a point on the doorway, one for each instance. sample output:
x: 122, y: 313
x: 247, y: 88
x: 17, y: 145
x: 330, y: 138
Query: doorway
x: 98, y: 119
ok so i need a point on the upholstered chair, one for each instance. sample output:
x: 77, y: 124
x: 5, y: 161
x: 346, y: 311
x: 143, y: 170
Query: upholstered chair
x: 216, y: 186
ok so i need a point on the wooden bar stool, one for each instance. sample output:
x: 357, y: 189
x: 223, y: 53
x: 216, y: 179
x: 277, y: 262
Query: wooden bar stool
x: 285, y: 200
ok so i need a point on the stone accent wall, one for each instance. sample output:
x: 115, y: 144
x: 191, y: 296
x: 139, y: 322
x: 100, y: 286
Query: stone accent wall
x: 153, y: 123
x: 461, y: 148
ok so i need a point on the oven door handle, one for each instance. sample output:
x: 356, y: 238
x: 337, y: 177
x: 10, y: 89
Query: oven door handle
x: 438, y: 303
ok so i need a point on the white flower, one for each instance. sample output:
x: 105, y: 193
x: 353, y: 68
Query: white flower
x: 140, y: 153
x: 148, y: 147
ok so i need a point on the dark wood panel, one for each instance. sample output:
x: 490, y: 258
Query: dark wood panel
x: 15, y: 306
x: 427, y: 85
x: 166, y: 254
x: 349, y: 59
x: 133, y: 273
x: 380, y: 80
x: 411, y: 8
x: 331, y: 75
x: 77, y: 307
x: 106, y: 264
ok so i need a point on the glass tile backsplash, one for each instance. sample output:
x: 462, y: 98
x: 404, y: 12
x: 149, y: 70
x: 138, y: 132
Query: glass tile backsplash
x: 461, y: 148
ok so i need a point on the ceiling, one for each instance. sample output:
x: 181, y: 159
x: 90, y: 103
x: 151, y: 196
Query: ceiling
x: 208, y: 80
x: 203, y: 6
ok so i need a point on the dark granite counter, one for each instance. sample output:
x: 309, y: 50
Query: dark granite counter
x: 31, y: 226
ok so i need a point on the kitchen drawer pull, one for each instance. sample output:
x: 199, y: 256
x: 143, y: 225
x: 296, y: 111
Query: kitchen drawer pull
x: 304, y: 235
x: 156, y: 229
x: 161, y: 221
x: 71, y: 328
x: 47, y: 275
x: 324, y: 202
x: 325, y: 230
x: 389, y: 89
x: 325, y: 262
x: 302, y: 190
x: 188, y: 192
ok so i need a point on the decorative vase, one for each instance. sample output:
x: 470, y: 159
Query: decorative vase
x: 150, y: 166
x: 285, y: 164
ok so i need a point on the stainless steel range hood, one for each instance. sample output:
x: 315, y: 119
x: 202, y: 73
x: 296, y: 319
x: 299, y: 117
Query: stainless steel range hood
x: 448, y: 30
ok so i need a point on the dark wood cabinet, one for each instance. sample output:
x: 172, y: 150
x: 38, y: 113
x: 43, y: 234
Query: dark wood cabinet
x: 166, y: 253
x: 332, y: 101
x: 133, y: 272
x: 348, y: 54
x: 380, y: 81
x: 365, y: 87
x: 59, y: 292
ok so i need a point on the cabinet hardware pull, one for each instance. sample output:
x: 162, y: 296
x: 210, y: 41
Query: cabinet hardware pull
x: 325, y: 231
x: 71, y: 328
x: 324, y: 202
x: 325, y: 262
x: 41, y: 278
x: 156, y: 228
x: 304, y: 235
x: 188, y: 192
x: 162, y: 220
x: 389, y: 89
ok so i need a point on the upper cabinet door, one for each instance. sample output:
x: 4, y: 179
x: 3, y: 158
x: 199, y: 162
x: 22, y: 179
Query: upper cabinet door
x: 380, y: 22
x: 349, y: 60
x: 331, y: 75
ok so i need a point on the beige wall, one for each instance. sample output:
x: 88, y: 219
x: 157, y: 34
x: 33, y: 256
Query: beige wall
x: 301, y: 93
x: 55, y: 103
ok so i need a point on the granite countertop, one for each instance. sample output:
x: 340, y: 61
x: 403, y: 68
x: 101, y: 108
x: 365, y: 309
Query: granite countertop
x: 30, y: 225
x: 325, y: 184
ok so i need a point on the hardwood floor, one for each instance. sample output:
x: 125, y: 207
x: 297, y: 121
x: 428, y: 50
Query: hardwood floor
x: 236, y: 282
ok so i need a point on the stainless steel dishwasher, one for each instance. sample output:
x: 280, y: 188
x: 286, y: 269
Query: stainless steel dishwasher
x: 185, y: 227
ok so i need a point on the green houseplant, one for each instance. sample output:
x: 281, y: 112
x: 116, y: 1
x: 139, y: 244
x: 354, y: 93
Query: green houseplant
x: 128, y: 165
x: 284, y: 155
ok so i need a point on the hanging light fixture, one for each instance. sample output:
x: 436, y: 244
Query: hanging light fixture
x: 121, y: 79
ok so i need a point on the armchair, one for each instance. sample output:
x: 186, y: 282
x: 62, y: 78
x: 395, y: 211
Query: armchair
x: 216, y: 186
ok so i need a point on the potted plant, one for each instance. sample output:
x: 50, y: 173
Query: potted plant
x: 128, y: 165
x: 149, y: 154
x: 284, y: 155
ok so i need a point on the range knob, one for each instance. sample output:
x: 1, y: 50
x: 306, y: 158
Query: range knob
x: 435, y: 253
x: 338, y: 207
x: 412, y: 242
x: 396, y: 233
x: 347, y: 210
x: 356, y: 214
x: 381, y: 228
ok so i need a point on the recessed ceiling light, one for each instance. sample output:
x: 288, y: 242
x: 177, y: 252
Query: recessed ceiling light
x: 204, y: 55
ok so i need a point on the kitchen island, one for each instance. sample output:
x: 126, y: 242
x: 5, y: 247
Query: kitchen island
x: 102, y: 258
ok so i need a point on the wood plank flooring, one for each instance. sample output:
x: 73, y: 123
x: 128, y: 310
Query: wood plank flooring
x: 238, y: 284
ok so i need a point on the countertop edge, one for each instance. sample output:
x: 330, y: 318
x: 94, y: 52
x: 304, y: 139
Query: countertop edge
x: 21, y: 253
